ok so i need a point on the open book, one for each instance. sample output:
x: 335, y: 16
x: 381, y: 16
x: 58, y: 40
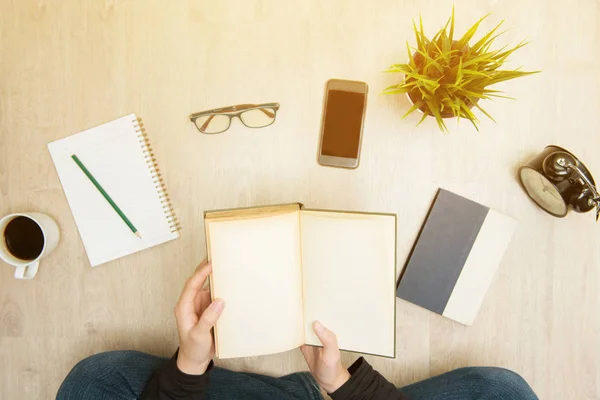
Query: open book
x: 279, y: 269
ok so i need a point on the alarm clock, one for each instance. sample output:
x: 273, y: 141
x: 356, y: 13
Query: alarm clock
x: 558, y: 181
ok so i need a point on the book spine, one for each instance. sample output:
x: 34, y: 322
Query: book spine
x: 157, y: 178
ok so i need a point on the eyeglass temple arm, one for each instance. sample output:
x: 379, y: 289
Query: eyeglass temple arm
x: 239, y: 107
x: 234, y: 108
x: 206, y: 123
x: 210, y: 117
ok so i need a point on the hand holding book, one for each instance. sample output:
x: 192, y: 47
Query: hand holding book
x: 325, y: 363
x: 196, y: 316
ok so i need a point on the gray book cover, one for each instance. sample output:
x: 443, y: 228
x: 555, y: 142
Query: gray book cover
x: 455, y: 257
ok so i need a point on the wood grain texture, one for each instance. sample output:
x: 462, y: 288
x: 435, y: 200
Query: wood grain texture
x: 69, y: 66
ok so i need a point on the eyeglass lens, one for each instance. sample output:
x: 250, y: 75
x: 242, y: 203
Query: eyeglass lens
x: 258, y: 117
x: 214, y: 123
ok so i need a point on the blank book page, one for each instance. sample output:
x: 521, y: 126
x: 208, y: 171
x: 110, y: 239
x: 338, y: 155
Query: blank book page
x: 256, y: 271
x: 348, y: 264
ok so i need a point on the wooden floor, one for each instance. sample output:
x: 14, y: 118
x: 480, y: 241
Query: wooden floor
x: 69, y: 65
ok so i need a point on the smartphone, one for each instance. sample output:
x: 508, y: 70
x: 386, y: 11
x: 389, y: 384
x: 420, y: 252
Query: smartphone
x: 344, y: 110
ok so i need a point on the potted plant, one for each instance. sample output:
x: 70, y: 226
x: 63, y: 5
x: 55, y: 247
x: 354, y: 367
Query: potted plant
x: 446, y: 77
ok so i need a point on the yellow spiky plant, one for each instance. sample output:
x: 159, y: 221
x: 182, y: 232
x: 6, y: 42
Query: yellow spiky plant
x: 445, y: 77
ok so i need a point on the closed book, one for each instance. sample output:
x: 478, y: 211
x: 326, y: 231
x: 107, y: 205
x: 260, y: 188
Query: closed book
x: 456, y: 256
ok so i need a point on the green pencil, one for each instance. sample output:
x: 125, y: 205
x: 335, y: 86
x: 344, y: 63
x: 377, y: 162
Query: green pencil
x: 106, y: 196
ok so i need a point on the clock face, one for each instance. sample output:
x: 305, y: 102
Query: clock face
x: 543, y: 192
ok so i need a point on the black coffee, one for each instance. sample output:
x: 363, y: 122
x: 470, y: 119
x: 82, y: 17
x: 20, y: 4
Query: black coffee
x: 24, y: 238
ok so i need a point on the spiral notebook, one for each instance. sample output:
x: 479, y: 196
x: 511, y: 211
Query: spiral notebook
x: 119, y: 156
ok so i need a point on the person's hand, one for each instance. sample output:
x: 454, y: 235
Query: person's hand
x: 196, y: 316
x: 325, y: 363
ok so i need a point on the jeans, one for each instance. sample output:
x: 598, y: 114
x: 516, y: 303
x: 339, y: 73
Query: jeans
x: 124, y: 374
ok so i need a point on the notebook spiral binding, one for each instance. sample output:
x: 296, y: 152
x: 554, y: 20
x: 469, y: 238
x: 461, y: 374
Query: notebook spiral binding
x: 159, y: 183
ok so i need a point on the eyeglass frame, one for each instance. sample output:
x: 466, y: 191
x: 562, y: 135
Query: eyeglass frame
x: 231, y: 113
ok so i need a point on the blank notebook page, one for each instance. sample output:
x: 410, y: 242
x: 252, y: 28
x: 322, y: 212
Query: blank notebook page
x: 114, y: 155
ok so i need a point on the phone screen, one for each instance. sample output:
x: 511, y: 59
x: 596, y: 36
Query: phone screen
x: 343, y: 124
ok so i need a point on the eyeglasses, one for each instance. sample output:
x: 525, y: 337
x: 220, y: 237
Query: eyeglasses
x: 219, y: 119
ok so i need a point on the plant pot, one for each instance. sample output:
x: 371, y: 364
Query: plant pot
x: 415, y: 95
x: 413, y: 98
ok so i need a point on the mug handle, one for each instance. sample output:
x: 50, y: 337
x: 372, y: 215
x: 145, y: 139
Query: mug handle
x: 27, y: 271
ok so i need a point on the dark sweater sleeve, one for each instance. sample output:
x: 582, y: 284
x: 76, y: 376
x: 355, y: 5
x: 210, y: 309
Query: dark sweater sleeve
x: 172, y: 384
x: 366, y: 384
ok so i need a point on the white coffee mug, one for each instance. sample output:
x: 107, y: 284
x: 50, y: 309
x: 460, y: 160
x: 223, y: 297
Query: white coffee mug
x: 26, y: 269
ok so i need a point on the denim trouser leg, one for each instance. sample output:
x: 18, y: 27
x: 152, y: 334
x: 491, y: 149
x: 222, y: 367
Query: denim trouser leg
x: 110, y: 375
x: 124, y: 374
x: 472, y: 383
